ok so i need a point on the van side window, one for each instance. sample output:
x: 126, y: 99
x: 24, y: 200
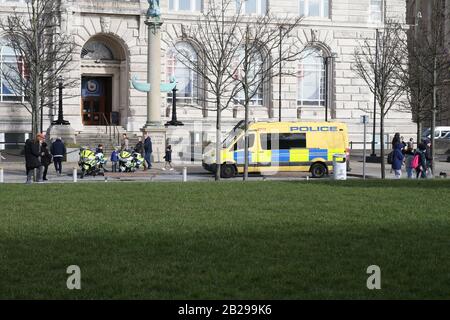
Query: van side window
x: 283, y: 141
x: 240, y: 144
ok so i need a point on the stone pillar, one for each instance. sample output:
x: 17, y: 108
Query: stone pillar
x: 154, y: 73
x: 154, y: 125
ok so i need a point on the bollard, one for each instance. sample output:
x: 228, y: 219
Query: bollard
x: 75, y: 175
x: 184, y: 174
x: 1, y: 176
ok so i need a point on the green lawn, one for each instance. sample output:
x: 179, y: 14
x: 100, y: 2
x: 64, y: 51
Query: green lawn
x: 265, y: 240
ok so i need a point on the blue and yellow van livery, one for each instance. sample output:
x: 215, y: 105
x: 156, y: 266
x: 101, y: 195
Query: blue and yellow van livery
x: 281, y: 147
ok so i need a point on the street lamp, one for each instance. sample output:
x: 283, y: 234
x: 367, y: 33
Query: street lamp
x: 60, y: 109
x: 174, y: 121
x: 326, y: 60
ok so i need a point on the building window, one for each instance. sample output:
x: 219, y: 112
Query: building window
x: 376, y: 10
x: 12, y: 67
x: 178, y: 61
x: 95, y: 50
x: 254, y: 78
x: 315, y: 8
x: 185, y: 5
x: 311, y: 78
x: 255, y: 7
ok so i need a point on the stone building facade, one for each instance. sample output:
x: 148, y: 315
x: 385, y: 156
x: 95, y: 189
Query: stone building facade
x: 112, y: 49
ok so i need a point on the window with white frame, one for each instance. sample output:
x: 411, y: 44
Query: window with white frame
x: 252, y: 7
x: 311, y: 78
x: 315, y: 8
x: 178, y: 61
x: 185, y: 5
x: 376, y: 10
x: 254, y: 78
x: 11, y: 67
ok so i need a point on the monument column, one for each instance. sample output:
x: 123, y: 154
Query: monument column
x: 153, y: 125
x: 154, y: 73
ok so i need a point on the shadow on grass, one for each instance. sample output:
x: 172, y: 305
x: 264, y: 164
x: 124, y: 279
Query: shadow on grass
x: 296, y: 263
x: 379, y: 183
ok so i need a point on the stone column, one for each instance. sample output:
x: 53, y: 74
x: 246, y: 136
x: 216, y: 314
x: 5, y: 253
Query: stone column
x: 154, y: 126
x: 154, y: 73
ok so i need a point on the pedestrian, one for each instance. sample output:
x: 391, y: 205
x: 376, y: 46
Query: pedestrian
x: 125, y: 142
x: 410, y: 144
x: 32, y: 157
x: 409, y: 156
x: 58, y: 150
x: 115, y: 159
x: 139, y: 148
x: 396, y: 140
x: 46, y: 159
x: 99, y: 149
x: 148, y: 151
x: 397, y: 161
x: 168, y: 157
x: 429, y: 158
x: 421, y: 170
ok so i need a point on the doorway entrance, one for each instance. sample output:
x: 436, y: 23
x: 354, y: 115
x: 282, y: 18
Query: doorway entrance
x: 96, y: 100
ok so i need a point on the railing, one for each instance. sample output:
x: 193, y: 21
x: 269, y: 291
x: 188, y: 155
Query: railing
x: 111, y: 130
x: 369, y: 144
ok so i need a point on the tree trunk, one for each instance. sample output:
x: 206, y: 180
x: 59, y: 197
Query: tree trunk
x: 246, y: 143
x: 218, y: 139
x: 419, y: 130
x: 383, y: 165
x: 246, y: 140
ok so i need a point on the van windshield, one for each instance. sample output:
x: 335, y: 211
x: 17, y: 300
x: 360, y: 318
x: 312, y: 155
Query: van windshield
x: 236, y: 131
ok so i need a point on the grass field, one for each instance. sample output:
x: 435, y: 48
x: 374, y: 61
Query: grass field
x: 266, y: 240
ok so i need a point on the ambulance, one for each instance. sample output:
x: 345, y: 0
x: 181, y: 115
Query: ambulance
x: 281, y: 147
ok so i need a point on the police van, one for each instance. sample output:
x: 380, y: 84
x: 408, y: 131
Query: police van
x: 281, y: 147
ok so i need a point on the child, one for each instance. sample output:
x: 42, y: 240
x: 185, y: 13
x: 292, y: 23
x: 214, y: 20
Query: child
x: 115, y: 159
x: 168, y: 157
x: 46, y: 159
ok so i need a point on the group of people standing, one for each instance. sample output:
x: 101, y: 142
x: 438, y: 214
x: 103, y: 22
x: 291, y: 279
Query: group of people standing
x: 39, y: 156
x: 417, y: 161
x: 144, y: 148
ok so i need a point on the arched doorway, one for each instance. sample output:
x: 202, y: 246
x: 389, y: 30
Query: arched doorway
x: 104, y: 82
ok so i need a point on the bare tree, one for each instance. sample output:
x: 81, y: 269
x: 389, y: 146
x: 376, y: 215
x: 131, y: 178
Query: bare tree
x: 214, y: 34
x: 258, y: 58
x: 416, y: 80
x: 432, y: 61
x: 380, y: 73
x: 43, y: 54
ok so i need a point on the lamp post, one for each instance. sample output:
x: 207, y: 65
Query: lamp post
x: 174, y: 121
x: 327, y: 85
x: 375, y: 95
x: 280, y: 70
x: 60, y: 108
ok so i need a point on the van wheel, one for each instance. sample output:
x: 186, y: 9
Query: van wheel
x: 318, y: 170
x: 227, y: 171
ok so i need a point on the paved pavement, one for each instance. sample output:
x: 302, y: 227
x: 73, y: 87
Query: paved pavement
x: 14, y: 172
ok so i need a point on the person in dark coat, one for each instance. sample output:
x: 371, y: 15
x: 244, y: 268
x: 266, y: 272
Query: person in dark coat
x: 396, y: 140
x: 429, y: 157
x: 58, y: 150
x: 168, y: 158
x: 421, y: 170
x: 397, y: 160
x: 33, y: 157
x: 46, y: 159
x: 139, y: 148
x: 148, y: 151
